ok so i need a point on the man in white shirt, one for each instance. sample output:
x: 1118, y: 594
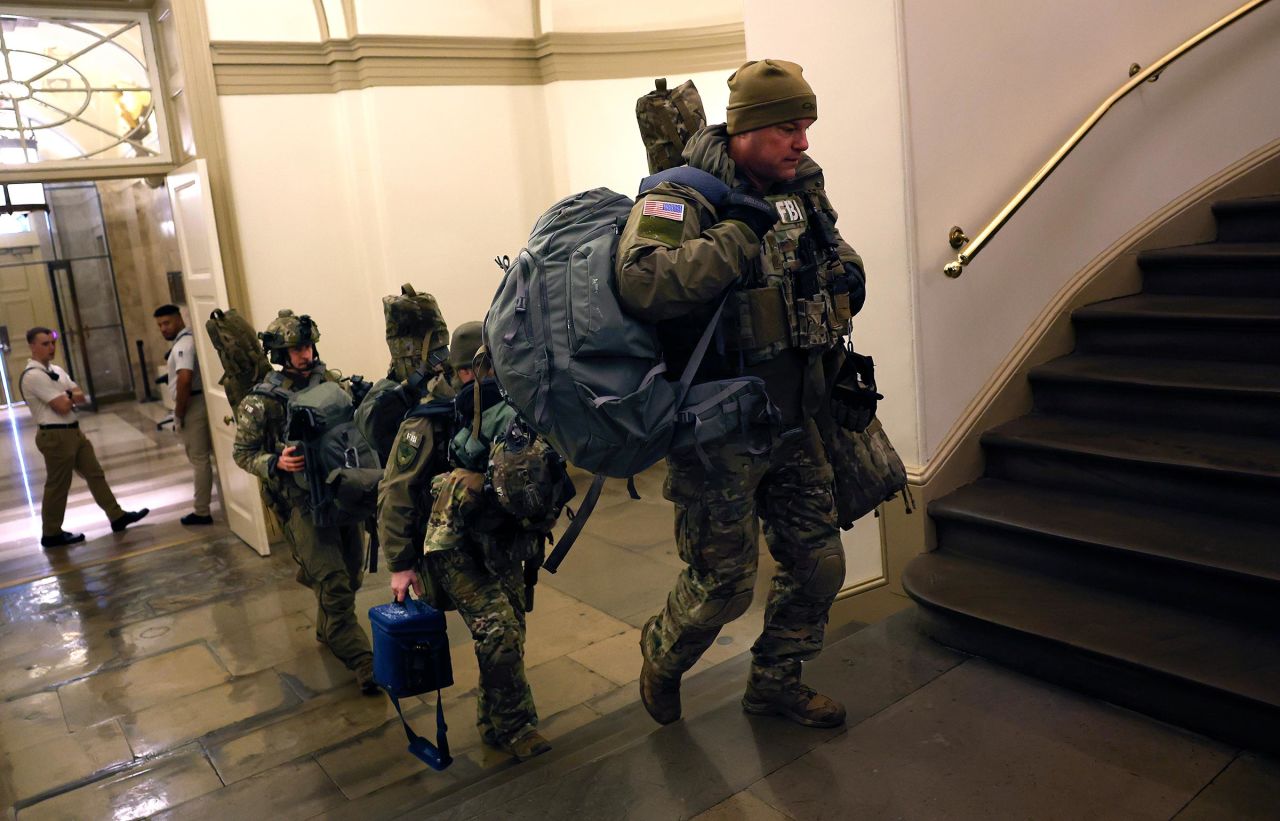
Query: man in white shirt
x: 189, y: 416
x: 51, y: 395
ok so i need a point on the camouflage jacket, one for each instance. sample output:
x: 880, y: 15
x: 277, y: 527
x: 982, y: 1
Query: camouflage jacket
x: 423, y: 508
x: 673, y: 271
x: 404, y: 499
x: 260, y: 432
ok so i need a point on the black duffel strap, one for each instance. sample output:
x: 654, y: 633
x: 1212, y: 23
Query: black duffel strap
x: 436, y: 756
x: 552, y: 564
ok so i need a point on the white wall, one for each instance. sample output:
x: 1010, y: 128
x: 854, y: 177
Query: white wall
x: 276, y: 20
x: 994, y: 89
x: 652, y: 15
x: 383, y: 186
x: 594, y: 139
x: 454, y: 18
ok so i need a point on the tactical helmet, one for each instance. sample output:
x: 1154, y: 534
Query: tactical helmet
x: 466, y: 341
x: 288, y: 331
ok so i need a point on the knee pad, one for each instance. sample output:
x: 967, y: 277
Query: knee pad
x: 720, y: 611
x: 823, y: 574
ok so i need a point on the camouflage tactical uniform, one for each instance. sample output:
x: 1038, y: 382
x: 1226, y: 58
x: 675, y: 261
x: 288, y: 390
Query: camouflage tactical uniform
x: 331, y: 559
x: 672, y: 272
x: 444, y: 525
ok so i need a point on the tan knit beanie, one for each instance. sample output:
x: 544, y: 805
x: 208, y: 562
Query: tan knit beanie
x: 766, y: 92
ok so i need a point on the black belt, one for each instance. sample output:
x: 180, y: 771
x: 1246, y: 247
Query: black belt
x: 195, y: 393
x: 60, y: 426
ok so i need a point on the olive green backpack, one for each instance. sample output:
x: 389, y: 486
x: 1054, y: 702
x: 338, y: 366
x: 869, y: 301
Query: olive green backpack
x: 244, y: 364
x: 667, y: 120
x: 413, y: 317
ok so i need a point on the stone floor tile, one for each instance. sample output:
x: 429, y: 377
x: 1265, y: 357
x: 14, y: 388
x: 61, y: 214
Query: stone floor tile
x: 296, y: 790
x: 267, y: 644
x: 145, y: 790
x: 617, y: 658
x: 141, y: 684
x: 20, y: 637
x: 66, y: 759
x: 742, y: 807
x: 176, y: 722
x: 560, y: 684
x: 612, y: 579
x: 394, y: 800
x: 613, y: 700
x: 67, y: 658
x: 1247, y: 790
x: 222, y: 618
x: 554, y: 633
x: 310, y: 674
x: 716, y: 751
x: 566, y: 721
x: 381, y: 757
x: 328, y: 720
x: 971, y: 744
x: 30, y: 720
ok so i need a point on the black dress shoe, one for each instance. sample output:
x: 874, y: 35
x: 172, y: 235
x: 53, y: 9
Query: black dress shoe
x: 62, y: 539
x: 196, y: 519
x: 129, y: 517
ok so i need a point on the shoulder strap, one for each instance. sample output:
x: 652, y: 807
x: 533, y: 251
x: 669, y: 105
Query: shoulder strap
x: 706, y: 184
x: 436, y: 756
x: 23, y: 376
x: 272, y: 386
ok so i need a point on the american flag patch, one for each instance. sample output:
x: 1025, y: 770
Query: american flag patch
x: 666, y: 210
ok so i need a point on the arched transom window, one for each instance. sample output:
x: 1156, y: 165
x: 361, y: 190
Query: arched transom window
x: 78, y: 87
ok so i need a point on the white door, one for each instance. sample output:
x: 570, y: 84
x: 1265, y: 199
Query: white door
x: 206, y: 289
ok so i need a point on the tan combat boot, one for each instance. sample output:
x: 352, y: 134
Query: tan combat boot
x: 529, y: 744
x: 795, y: 701
x: 660, y: 694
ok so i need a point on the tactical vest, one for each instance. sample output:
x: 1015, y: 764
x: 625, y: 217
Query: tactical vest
x: 792, y: 298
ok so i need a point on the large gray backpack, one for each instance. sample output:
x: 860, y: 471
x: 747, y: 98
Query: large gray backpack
x: 590, y: 377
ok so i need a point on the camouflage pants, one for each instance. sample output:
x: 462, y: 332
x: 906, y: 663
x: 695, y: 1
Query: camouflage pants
x: 717, y: 536
x: 332, y: 565
x: 493, y: 608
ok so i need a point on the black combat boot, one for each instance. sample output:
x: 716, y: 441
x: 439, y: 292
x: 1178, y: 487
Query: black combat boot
x: 364, y: 678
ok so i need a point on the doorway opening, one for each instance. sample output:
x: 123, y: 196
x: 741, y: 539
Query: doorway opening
x: 90, y: 260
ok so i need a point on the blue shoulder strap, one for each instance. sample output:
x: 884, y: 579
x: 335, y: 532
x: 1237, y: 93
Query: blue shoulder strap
x: 706, y: 184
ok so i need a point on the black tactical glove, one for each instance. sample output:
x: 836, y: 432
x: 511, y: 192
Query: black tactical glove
x: 751, y: 210
x: 857, y: 282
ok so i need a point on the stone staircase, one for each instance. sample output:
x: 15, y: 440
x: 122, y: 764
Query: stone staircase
x: 1125, y: 536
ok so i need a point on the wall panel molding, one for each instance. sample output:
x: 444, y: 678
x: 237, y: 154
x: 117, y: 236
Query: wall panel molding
x: 366, y: 61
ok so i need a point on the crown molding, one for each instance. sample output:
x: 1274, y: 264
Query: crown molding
x: 367, y: 61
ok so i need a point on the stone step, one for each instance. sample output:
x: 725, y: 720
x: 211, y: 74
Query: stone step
x: 1242, y: 397
x: 1213, y: 269
x: 1216, y: 676
x: 1233, y: 329
x: 1256, y: 219
x: 1219, y: 566
x: 1219, y: 473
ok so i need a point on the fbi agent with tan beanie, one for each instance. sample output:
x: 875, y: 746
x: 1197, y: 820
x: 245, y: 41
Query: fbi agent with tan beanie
x: 794, y: 286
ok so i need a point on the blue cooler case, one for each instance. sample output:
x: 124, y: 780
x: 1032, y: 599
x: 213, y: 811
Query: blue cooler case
x: 411, y: 657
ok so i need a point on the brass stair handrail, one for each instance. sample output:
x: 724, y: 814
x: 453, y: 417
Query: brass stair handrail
x: 971, y: 247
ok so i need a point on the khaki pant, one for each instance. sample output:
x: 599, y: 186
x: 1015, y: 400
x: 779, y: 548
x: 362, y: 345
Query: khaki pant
x: 199, y: 448
x: 67, y: 450
x: 332, y: 562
